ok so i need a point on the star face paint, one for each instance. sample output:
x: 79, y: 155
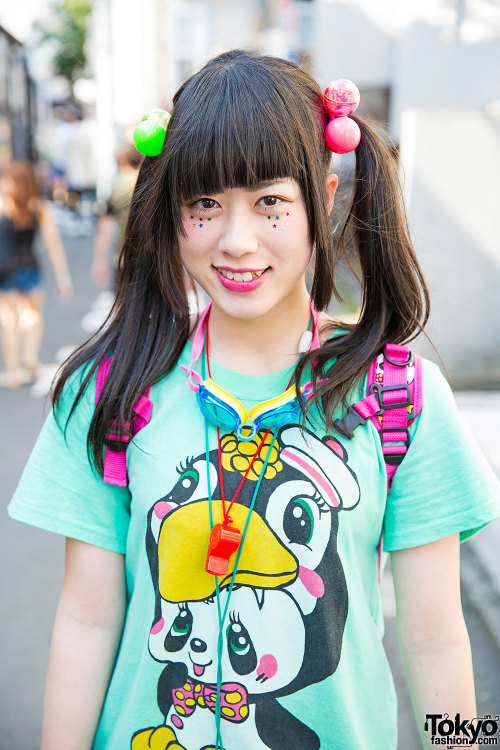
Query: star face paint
x: 200, y: 220
x: 277, y: 218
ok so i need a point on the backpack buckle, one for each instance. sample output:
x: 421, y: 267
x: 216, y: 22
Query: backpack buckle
x: 398, y: 364
x: 379, y: 391
x: 349, y: 423
x: 395, y: 458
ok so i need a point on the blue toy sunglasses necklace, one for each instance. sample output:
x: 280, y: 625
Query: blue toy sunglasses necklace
x: 222, y: 409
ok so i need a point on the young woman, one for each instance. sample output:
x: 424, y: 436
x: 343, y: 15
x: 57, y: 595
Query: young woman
x: 22, y: 213
x: 227, y: 594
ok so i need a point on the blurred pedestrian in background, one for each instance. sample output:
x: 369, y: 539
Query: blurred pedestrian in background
x: 80, y: 171
x: 111, y: 225
x: 22, y: 213
x: 59, y: 140
x: 109, y: 234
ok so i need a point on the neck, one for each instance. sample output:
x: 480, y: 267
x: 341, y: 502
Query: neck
x: 262, y: 344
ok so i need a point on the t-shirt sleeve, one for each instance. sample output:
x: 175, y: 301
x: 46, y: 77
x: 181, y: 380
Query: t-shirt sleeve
x: 60, y: 491
x: 444, y: 484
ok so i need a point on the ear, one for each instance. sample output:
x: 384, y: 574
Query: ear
x: 331, y: 186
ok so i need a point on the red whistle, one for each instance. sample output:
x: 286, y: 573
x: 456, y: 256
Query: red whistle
x: 224, y: 541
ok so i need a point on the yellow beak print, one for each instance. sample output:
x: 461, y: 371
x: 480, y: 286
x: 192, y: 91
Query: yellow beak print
x: 183, y: 545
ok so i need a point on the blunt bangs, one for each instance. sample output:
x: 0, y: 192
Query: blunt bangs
x: 236, y: 125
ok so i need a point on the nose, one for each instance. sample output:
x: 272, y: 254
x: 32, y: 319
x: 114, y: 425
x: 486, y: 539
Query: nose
x: 239, y: 237
x: 198, y: 645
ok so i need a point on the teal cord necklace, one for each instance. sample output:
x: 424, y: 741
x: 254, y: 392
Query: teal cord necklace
x: 221, y: 615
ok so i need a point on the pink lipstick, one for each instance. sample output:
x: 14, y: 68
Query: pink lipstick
x: 240, y: 285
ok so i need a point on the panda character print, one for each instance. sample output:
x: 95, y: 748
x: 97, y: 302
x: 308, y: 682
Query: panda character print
x: 289, y: 603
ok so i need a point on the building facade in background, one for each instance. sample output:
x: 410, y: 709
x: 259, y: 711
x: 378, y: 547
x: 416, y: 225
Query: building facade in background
x: 433, y: 67
x: 17, y: 101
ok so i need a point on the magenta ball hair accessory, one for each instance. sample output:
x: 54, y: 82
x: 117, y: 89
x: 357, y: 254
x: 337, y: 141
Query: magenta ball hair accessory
x: 341, y: 99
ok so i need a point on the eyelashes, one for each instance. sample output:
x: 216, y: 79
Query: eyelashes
x: 273, y: 213
x: 278, y: 201
x: 197, y: 208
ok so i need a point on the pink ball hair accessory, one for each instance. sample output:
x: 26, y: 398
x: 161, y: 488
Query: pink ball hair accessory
x: 341, y: 99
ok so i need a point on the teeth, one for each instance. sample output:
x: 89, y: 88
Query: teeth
x: 246, y: 276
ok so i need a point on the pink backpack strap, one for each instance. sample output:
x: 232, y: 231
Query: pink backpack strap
x: 395, y: 380
x: 115, y: 461
x: 393, y: 401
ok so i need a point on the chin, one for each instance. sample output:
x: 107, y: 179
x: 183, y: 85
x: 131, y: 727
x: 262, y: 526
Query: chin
x: 243, y: 309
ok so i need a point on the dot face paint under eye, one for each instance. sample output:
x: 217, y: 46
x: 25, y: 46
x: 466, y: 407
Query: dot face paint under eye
x: 201, y: 220
x: 277, y: 218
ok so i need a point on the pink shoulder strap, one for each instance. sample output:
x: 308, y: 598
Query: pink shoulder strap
x: 115, y: 461
x: 395, y: 379
x: 393, y: 401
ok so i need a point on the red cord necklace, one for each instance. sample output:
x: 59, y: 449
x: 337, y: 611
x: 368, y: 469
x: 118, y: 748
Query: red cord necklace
x: 225, y: 538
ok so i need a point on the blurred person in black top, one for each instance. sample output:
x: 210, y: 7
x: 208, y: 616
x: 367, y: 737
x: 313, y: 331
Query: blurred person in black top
x: 22, y: 213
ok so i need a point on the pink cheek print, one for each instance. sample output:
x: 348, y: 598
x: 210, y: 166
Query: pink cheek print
x: 162, y: 509
x: 267, y: 667
x: 312, y: 581
x: 158, y: 626
x: 177, y: 721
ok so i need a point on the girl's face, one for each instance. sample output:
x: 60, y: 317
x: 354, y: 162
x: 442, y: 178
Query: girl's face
x: 248, y: 248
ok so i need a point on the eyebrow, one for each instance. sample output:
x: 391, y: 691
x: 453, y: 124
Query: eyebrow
x: 259, y: 186
x: 266, y: 184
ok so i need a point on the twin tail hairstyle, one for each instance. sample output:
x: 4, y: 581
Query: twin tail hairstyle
x: 241, y: 120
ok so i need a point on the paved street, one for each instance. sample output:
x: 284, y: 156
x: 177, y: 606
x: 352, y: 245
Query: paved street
x: 31, y: 561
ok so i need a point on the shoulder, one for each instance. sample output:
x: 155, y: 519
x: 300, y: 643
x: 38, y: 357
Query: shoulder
x: 439, y: 417
x: 77, y: 395
x: 435, y: 386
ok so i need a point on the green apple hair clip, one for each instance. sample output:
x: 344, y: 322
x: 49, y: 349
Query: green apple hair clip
x: 149, y: 134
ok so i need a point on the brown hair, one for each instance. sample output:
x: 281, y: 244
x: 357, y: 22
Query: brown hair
x: 241, y: 120
x: 24, y: 195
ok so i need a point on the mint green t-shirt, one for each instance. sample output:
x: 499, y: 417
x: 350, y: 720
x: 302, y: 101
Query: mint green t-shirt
x: 303, y: 665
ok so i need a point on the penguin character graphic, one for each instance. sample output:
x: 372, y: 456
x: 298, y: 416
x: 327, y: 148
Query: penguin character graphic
x: 289, y: 603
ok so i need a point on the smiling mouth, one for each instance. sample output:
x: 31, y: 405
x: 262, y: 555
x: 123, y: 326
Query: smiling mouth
x: 244, y: 276
x: 199, y: 668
